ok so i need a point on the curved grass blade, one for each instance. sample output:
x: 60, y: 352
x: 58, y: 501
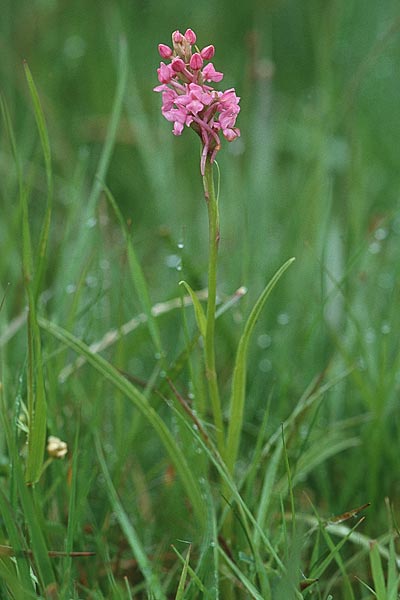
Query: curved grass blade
x: 45, y: 144
x: 239, y: 374
x: 140, y: 401
x: 198, y: 309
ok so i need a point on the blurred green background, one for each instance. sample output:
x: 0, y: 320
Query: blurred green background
x: 314, y: 175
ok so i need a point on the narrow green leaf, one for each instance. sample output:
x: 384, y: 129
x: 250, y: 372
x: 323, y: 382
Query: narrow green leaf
x: 191, y: 572
x: 248, y: 586
x: 40, y: 121
x: 141, y: 402
x: 377, y: 572
x: 45, y: 144
x: 266, y: 492
x: 37, y: 395
x: 239, y: 375
x: 393, y: 577
x: 198, y: 309
x: 182, y: 580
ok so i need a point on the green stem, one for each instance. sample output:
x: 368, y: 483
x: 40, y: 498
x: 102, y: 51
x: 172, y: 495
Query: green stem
x: 209, y: 342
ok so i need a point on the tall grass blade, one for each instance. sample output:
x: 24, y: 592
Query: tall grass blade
x: 198, y: 309
x: 239, y: 375
x: 377, y: 573
x: 45, y: 144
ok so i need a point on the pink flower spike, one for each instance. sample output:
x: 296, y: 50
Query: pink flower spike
x: 164, y: 51
x: 208, y: 52
x: 178, y: 65
x: 190, y: 36
x: 196, y: 61
x: 210, y: 74
x: 177, y: 37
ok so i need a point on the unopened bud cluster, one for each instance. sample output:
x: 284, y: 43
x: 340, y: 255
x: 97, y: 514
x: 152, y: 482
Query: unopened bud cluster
x: 187, y: 99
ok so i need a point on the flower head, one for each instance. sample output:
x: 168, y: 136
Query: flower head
x: 188, y: 100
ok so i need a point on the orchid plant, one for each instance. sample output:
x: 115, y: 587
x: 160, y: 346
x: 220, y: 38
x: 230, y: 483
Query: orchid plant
x: 189, y: 100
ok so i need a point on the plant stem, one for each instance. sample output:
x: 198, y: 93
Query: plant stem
x: 209, y: 342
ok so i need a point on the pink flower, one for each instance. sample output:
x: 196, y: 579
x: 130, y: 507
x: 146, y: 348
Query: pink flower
x: 187, y: 100
x: 210, y: 74
x: 165, y: 73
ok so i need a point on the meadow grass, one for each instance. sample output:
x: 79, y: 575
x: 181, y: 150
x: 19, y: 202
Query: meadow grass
x: 103, y: 215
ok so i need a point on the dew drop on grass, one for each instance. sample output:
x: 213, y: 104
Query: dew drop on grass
x: 264, y: 341
x: 283, y: 319
x: 195, y: 427
x: 71, y: 288
x: 91, y: 222
x: 265, y: 365
x: 181, y: 245
x: 370, y: 336
x: 385, y: 329
x: 74, y: 47
x: 173, y: 261
x: 91, y: 281
x: 212, y: 544
x: 374, y: 248
x: 381, y: 233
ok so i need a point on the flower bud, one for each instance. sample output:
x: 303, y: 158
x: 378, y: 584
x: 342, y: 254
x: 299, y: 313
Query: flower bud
x: 190, y: 36
x: 208, y: 52
x: 196, y: 61
x: 178, y: 64
x: 177, y: 37
x: 164, y: 51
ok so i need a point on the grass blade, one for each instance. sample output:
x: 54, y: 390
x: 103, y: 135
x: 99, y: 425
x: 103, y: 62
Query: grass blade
x: 180, y: 593
x: 198, y: 309
x: 239, y: 374
x: 45, y: 144
x: 377, y: 572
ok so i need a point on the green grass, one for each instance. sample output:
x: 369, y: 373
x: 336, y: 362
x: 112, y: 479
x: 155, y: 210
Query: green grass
x: 103, y: 215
